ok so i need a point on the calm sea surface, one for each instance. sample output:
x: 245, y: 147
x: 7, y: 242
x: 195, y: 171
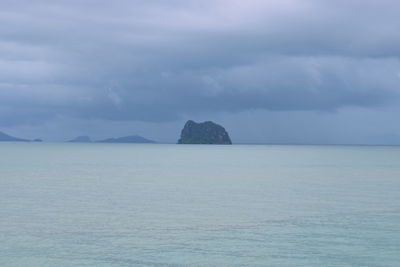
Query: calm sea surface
x: 182, y: 205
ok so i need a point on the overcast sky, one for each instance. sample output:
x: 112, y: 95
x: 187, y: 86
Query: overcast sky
x: 281, y: 71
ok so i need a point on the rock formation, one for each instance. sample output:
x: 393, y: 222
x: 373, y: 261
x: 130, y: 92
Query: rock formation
x: 204, y: 133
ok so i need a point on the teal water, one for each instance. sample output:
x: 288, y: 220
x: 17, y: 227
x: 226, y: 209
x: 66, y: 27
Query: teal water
x: 171, y: 205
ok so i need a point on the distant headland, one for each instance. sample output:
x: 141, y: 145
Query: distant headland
x: 8, y: 138
x: 206, y: 132
x: 136, y: 139
x: 81, y: 139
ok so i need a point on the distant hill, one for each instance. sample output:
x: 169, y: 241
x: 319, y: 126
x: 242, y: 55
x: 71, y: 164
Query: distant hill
x: 81, y: 139
x: 8, y: 138
x: 204, y: 133
x: 127, y: 139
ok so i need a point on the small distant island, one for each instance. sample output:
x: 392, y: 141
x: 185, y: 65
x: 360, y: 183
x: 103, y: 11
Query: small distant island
x: 8, y: 138
x: 206, y: 132
x: 137, y: 139
x: 81, y: 139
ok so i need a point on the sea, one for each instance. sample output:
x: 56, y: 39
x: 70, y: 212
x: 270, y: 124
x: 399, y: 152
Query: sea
x: 64, y: 204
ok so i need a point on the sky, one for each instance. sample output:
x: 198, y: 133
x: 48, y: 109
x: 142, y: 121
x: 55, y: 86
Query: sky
x: 278, y: 71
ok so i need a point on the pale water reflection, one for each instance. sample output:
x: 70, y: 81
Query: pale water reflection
x: 182, y: 205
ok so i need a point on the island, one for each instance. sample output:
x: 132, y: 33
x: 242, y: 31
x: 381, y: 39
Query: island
x: 206, y: 132
x: 8, y: 138
x: 128, y: 139
x: 81, y: 139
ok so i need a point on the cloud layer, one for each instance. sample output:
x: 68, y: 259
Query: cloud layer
x: 157, y: 61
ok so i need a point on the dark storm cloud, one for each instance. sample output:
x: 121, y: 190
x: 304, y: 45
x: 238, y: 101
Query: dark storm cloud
x: 164, y: 60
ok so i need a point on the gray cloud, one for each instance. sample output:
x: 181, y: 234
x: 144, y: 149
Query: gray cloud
x: 157, y: 61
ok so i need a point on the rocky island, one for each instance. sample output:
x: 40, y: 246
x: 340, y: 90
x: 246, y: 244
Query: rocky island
x: 204, y: 133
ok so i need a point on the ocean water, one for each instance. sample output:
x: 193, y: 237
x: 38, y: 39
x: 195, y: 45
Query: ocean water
x: 183, y: 205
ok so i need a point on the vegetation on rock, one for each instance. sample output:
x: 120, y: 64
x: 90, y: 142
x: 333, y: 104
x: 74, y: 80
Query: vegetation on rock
x: 204, y: 133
